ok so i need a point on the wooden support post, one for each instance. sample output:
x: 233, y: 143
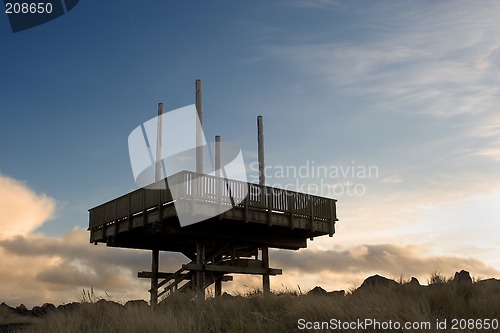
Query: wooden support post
x: 218, y: 279
x: 247, y: 203
x: 154, y: 276
x: 199, y: 123
x: 260, y: 145
x: 159, y: 139
x: 116, y: 222
x: 260, y: 154
x: 311, y: 210
x: 144, y: 210
x: 266, y: 284
x: 233, y: 256
x: 217, y: 156
x: 291, y: 208
x: 331, y: 224
x: 218, y: 180
x: 129, y: 215
x: 200, y: 275
x: 218, y: 287
x: 269, y: 194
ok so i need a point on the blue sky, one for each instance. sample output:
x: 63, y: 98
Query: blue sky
x: 409, y: 87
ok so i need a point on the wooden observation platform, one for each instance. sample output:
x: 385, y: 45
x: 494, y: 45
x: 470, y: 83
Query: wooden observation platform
x: 255, y: 218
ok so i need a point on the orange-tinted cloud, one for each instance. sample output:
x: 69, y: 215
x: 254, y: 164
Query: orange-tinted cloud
x: 37, y: 268
x: 21, y: 209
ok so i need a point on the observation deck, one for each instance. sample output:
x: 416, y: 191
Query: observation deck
x: 148, y: 217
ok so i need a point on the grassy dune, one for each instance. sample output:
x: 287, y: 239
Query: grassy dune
x: 396, y: 302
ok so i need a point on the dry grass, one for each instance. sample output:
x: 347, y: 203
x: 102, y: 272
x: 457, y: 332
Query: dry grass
x: 7, y: 317
x: 280, y: 313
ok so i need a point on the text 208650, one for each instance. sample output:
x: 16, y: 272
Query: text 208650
x: 28, y: 8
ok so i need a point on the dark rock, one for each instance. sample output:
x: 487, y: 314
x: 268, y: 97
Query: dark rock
x: 69, y: 307
x: 6, y: 307
x: 48, y: 307
x: 493, y: 284
x: 22, y: 310
x: 377, y: 280
x: 43, y: 310
x: 336, y: 293
x: 37, y: 311
x: 413, y: 285
x: 414, y: 282
x: 462, y: 277
x: 136, y: 304
x: 317, y: 291
x: 108, y: 304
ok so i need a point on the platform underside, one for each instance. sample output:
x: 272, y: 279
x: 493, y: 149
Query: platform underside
x: 167, y: 235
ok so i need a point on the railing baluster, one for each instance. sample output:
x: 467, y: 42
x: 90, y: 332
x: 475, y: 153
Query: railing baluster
x: 312, y: 213
x: 250, y: 197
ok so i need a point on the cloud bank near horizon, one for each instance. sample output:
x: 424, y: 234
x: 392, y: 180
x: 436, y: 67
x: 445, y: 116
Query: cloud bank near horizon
x: 38, y: 268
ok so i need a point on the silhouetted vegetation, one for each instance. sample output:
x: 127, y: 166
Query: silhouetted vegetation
x: 378, y: 298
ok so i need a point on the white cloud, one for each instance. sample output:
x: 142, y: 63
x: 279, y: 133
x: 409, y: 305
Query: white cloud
x: 416, y: 59
x: 493, y: 151
x: 490, y: 61
x: 21, y: 209
x: 337, y: 268
x: 37, y: 268
x: 431, y: 69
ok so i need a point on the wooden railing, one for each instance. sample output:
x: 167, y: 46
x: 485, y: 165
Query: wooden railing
x: 210, y: 189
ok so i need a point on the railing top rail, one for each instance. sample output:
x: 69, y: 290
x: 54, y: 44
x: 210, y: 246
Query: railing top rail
x: 180, y: 175
x: 301, y: 199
